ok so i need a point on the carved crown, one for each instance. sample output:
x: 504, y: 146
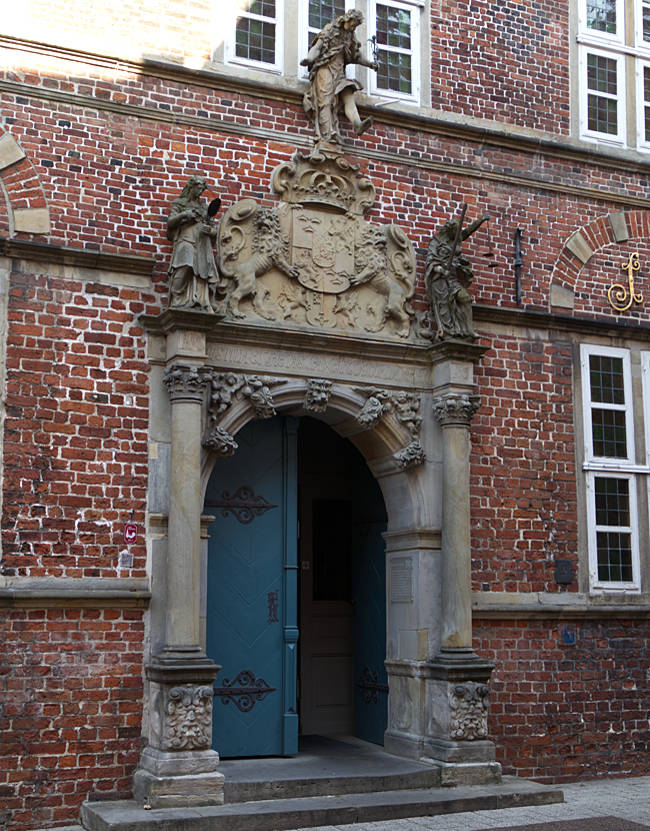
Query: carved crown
x: 324, y: 179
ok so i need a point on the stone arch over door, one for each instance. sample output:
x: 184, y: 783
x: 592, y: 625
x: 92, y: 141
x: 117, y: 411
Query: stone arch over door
x: 409, y: 499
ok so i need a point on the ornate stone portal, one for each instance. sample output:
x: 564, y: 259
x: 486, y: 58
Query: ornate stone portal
x: 311, y: 315
x: 314, y: 260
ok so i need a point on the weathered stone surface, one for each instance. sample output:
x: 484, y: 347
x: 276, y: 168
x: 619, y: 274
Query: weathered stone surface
x: 32, y: 220
x: 313, y: 260
x: 10, y: 151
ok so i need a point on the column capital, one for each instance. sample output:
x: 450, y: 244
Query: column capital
x: 185, y: 382
x: 455, y: 408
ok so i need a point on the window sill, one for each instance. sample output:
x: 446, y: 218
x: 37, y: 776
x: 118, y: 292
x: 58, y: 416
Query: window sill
x: 496, y: 605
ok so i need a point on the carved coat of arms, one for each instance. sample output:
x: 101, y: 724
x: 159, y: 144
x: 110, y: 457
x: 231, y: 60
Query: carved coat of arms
x: 314, y: 259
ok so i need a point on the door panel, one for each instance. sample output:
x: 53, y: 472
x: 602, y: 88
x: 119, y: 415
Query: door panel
x: 251, y: 613
x: 369, y: 592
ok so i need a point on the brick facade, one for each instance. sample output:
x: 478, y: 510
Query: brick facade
x: 574, y: 690
x: 108, y: 142
x: 71, y: 690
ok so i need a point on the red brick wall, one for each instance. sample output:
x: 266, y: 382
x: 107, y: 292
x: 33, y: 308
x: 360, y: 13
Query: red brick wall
x: 523, y: 473
x: 75, y: 442
x: 561, y: 711
x: 498, y: 59
x: 492, y: 59
x: 70, y: 710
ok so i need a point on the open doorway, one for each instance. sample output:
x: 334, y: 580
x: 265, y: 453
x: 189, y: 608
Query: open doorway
x: 296, y: 598
x: 343, y: 687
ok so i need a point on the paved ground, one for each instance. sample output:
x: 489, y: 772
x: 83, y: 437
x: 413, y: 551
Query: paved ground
x: 602, y: 805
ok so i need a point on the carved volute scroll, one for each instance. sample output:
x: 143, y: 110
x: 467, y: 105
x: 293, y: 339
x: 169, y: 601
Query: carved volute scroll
x: 405, y: 407
x: 225, y: 387
x: 313, y: 260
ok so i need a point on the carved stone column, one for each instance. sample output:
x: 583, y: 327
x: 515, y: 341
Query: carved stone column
x: 454, y: 411
x: 457, y: 682
x: 178, y: 766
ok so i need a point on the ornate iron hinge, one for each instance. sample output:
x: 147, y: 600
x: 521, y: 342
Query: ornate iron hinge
x: 244, y: 690
x: 242, y: 504
x: 370, y: 687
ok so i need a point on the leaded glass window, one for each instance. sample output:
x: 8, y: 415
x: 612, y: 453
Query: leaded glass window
x: 256, y: 32
x: 612, y: 473
x: 613, y: 529
x: 602, y: 102
x: 609, y: 434
x: 395, y: 29
x: 601, y: 16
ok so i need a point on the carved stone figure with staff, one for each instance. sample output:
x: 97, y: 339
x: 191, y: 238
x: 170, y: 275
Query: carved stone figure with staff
x: 448, y: 275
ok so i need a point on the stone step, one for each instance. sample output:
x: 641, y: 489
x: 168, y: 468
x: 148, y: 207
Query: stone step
x: 308, y: 812
x: 256, y: 791
x: 325, y: 766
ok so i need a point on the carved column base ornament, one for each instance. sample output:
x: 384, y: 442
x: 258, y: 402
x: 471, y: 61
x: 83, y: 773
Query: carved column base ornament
x: 178, y: 766
x: 469, y: 708
x: 459, y: 728
x: 455, y: 408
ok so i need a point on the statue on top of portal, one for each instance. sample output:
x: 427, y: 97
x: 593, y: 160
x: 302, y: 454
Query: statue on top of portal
x: 448, y: 275
x: 330, y: 89
x: 193, y: 276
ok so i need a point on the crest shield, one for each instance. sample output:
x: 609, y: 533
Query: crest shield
x: 323, y: 250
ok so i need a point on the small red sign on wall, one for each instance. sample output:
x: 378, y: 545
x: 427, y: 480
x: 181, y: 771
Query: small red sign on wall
x: 130, y: 532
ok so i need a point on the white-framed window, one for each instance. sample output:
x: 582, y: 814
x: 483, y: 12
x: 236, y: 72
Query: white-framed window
x: 602, y: 95
x: 395, y: 28
x: 256, y: 34
x: 312, y: 16
x: 603, y: 19
x: 614, y: 71
x: 611, y: 472
x: 275, y: 35
x: 607, y: 405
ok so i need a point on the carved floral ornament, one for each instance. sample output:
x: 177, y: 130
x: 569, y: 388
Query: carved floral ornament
x: 405, y: 407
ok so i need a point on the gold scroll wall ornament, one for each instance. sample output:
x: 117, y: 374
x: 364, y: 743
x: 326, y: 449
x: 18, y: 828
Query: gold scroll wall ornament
x: 621, y: 297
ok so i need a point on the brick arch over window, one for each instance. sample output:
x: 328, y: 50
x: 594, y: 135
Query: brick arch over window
x: 26, y: 209
x: 620, y: 227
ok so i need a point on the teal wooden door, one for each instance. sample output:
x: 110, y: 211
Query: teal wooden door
x: 251, y: 616
x: 369, y: 597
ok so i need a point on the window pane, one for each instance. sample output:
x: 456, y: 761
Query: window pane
x: 614, y: 556
x: 394, y: 71
x: 393, y: 27
x: 608, y: 433
x: 601, y: 15
x: 265, y: 8
x: 255, y: 40
x: 324, y: 11
x: 601, y: 74
x: 646, y: 21
x: 602, y: 115
x: 612, y: 501
x: 606, y: 379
